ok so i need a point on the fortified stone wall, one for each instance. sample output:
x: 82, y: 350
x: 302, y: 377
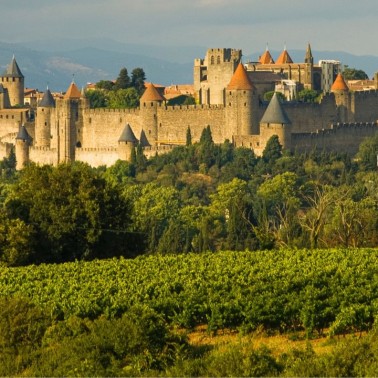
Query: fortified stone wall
x: 173, y: 122
x: 97, y: 156
x: 309, y: 117
x: 340, y: 137
x: 5, y: 149
x: 43, y: 155
x: 365, y: 105
x: 103, y: 127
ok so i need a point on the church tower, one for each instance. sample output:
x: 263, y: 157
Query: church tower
x: 241, y: 105
x: 13, y: 81
x: 309, y: 68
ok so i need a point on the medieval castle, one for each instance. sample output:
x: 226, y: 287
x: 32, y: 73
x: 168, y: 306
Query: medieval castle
x: 229, y: 98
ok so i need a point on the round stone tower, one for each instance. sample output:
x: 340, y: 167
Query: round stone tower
x: 275, y: 122
x: 149, y: 103
x: 45, y: 109
x: 241, y: 105
x: 342, y: 97
x: 126, y: 143
x: 13, y: 80
x: 69, y: 110
x: 22, y: 148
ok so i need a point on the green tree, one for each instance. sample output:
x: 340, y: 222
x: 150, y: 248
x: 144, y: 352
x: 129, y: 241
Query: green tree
x: 319, y: 204
x: 272, y: 150
x: 154, y: 207
x: 354, y: 74
x: 268, y: 96
x: 123, y: 79
x: 123, y: 98
x: 105, y: 84
x: 368, y: 153
x: 280, y: 197
x: 97, y: 98
x: 73, y: 210
x: 308, y: 95
x: 138, y: 78
x: 188, y: 137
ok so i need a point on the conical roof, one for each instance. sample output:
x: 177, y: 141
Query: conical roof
x: 143, y: 139
x: 127, y: 135
x: 13, y: 70
x: 151, y: 94
x: 284, y: 58
x: 73, y: 92
x: 23, y: 134
x: 47, y: 100
x: 266, y: 58
x: 240, y: 80
x: 275, y: 113
x: 339, y: 84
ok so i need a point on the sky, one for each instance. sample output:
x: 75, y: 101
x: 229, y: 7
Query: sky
x: 328, y: 25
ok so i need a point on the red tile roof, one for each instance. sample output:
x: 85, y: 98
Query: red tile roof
x: 284, y: 58
x: 151, y: 94
x: 240, y: 79
x: 72, y: 92
x: 339, y: 84
x: 266, y: 58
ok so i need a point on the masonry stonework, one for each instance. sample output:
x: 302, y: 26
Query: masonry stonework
x: 68, y: 129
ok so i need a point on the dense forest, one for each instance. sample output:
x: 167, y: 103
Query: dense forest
x: 199, y: 197
x: 106, y: 271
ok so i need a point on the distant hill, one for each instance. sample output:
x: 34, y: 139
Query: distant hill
x: 42, y: 63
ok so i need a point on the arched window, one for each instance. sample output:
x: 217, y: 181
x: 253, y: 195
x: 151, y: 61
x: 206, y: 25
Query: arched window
x: 218, y: 59
x: 212, y: 60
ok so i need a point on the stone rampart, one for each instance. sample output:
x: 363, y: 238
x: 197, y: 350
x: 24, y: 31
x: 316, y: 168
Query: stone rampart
x: 97, y: 156
x: 43, y: 155
x: 345, y: 137
x: 173, y: 122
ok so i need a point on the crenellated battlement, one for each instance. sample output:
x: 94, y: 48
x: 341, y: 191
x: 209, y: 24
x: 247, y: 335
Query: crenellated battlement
x: 354, y: 125
x: 174, y: 108
x: 102, y: 111
x: 99, y: 149
x: 366, y: 93
x: 42, y: 148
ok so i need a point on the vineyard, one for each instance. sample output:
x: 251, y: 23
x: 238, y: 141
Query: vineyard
x: 285, y: 290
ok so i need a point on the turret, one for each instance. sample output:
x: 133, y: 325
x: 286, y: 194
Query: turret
x: 149, y: 103
x: 143, y: 139
x: 241, y: 105
x: 69, y: 113
x: 23, y: 141
x: 13, y: 80
x: 126, y: 143
x: 45, y: 109
x: 342, y: 97
x: 275, y: 122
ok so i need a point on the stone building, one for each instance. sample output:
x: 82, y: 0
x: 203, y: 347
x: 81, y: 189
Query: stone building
x: 229, y: 93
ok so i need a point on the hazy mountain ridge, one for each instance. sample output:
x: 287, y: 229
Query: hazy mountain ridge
x: 90, y: 61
